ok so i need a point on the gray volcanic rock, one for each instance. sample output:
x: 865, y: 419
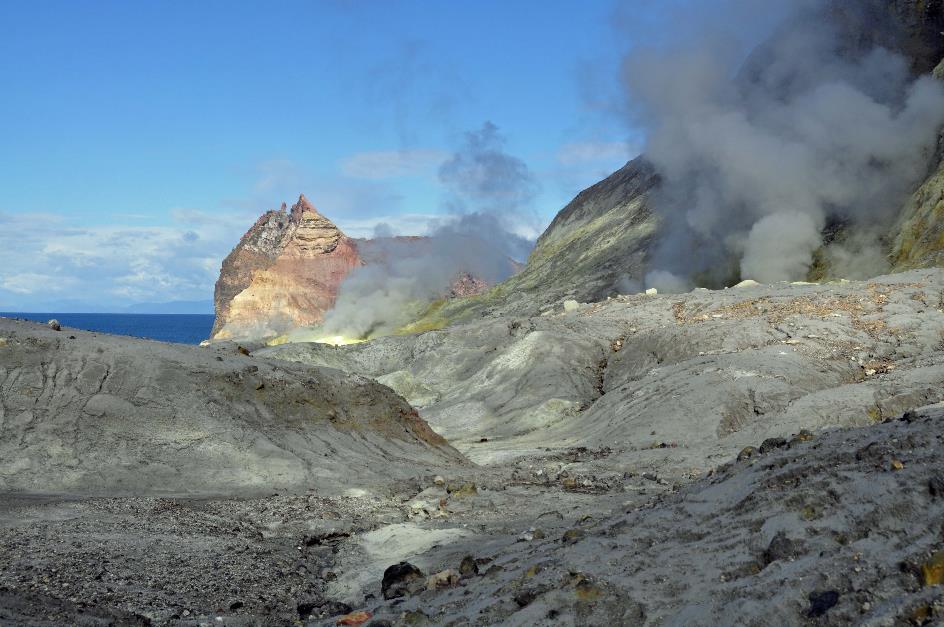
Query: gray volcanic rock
x: 600, y: 239
x: 672, y: 383
x: 863, y: 531
x: 81, y: 412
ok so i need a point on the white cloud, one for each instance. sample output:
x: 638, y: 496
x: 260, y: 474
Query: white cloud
x: 33, y: 283
x: 383, y: 164
x: 44, y: 256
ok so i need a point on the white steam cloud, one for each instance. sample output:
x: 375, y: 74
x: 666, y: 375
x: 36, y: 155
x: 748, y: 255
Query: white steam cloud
x: 755, y: 162
x: 489, y: 192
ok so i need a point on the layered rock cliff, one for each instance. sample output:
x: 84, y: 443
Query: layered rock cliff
x: 284, y: 273
x: 287, y: 270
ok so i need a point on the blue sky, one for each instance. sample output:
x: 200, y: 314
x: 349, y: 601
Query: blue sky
x: 139, y: 140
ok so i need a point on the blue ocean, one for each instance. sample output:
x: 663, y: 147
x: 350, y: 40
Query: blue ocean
x: 178, y: 328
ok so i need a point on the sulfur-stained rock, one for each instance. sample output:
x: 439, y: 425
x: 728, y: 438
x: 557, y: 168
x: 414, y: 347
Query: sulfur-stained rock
x: 462, y: 490
x: 572, y: 536
x: 932, y: 571
x: 468, y: 567
x: 443, y: 579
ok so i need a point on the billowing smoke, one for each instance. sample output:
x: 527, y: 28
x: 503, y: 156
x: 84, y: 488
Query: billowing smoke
x: 476, y: 242
x: 757, y: 157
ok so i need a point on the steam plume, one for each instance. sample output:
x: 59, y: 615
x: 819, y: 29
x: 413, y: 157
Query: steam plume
x: 755, y: 163
x: 489, y: 192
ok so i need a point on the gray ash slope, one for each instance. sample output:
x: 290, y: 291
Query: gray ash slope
x: 88, y: 413
x: 706, y: 373
x: 839, y: 529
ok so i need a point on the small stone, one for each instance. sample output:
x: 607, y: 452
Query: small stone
x: 306, y: 609
x: 414, y: 617
x: 588, y: 591
x: 524, y: 598
x: 746, y: 453
x: 397, y: 579
x: 468, y: 567
x: 354, y: 618
x: 443, y: 579
x: 822, y: 602
x: 569, y: 483
x: 3, y: 342
x: 242, y: 350
x: 572, y: 536
x: 897, y: 464
x: 651, y: 291
x: 780, y: 548
x: 462, y: 490
x: 439, y: 480
x: 772, y: 443
x: 54, y: 325
x: 571, y: 305
x: 335, y: 608
x: 537, y: 534
x: 936, y: 486
x: 932, y: 571
x: 805, y: 435
x: 866, y: 606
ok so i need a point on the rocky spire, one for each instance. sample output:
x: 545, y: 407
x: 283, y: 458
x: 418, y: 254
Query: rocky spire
x: 304, y: 205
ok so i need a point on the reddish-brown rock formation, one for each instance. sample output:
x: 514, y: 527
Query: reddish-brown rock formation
x: 284, y: 273
x: 287, y: 270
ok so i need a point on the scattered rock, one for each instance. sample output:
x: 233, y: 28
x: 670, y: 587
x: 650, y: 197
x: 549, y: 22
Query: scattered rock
x: 354, y: 618
x: 822, y: 602
x: 443, y: 579
x: 746, y: 453
x: 936, y: 486
x: 414, y: 617
x: 54, y: 325
x: 897, y: 464
x: 439, y: 480
x: 781, y: 548
x: 3, y: 342
x: 803, y: 436
x: 932, y: 571
x: 586, y: 590
x: 334, y: 608
x: 468, y: 567
x: 572, y: 536
x: 571, y: 305
x: 525, y: 598
x: 462, y: 490
x: 652, y: 291
x: 305, y: 609
x: 771, y: 444
x: 400, y: 579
